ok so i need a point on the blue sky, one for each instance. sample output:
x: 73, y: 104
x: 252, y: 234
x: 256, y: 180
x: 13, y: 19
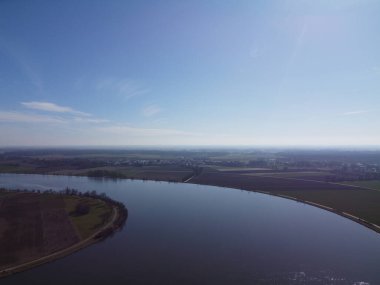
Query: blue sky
x: 190, y: 72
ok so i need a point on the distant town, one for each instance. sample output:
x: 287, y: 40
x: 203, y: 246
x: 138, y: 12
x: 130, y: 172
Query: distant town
x: 327, y: 165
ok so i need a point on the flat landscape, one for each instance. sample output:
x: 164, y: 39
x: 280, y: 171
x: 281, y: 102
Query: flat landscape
x: 266, y: 101
x: 359, y: 202
x: 35, y: 225
x: 372, y: 184
x: 346, y: 182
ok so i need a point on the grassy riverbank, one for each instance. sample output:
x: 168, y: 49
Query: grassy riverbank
x: 36, y: 228
x: 99, y: 213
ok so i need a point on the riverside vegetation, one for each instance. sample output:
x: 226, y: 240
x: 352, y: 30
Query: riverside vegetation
x: 40, y: 226
x: 345, y: 182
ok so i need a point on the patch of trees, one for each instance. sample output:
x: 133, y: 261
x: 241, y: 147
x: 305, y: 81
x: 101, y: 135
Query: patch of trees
x: 81, y: 209
x: 105, y: 173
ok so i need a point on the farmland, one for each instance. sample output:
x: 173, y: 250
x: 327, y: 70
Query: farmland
x: 306, y: 175
x: 340, y: 179
x: 261, y: 183
x: 362, y: 203
x: 158, y: 173
x: 35, y: 226
x: 372, y: 184
x: 109, y: 164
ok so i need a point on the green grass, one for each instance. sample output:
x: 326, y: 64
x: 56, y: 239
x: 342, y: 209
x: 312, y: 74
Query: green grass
x: 373, y: 184
x: 87, y: 224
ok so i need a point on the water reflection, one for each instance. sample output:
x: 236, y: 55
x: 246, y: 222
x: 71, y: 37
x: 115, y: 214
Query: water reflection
x: 189, y: 234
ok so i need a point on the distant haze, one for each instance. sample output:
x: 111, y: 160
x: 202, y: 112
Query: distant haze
x: 148, y: 73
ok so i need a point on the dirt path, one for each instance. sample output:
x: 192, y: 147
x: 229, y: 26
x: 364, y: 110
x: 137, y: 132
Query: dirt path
x: 62, y: 252
x: 187, y: 180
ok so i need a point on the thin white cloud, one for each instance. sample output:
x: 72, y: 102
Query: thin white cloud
x: 151, y: 110
x: 126, y: 88
x: 26, y: 117
x: 19, y: 117
x: 126, y: 130
x: 89, y: 120
x: 357, y: 112
x: 51, y: 107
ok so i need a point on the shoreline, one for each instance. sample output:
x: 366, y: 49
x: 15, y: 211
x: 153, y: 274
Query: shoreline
x: 349, y: 216
x: 110, y: 227
x: 118, y: 215
x: 353, y: 218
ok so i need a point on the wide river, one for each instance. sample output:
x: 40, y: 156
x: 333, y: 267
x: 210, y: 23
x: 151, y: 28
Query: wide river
x: 191, y: 234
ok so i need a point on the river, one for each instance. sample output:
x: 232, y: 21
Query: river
x: 194, y: 234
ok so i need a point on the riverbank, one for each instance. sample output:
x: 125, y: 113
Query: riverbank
x: 358, y: 220
x: 305, y: 196
x: 115, y: 221
x: 357, y: 204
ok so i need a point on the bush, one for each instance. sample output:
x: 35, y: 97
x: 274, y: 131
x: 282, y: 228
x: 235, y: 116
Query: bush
x: 81, y: 209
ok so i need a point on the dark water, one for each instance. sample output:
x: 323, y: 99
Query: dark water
x: 189, y: 234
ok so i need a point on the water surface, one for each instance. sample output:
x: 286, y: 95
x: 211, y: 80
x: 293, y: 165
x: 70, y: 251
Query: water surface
x: 191, y: 234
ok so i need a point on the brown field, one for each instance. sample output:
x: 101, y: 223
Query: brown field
x: 33, y: 225
x: 244, y: 169
x: 261, y: 183
x: 371, y: 184
x: 362, y: 203
x: 306, y: 175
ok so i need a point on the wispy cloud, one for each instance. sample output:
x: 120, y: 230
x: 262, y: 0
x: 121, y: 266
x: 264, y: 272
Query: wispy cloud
x: 151, y: 110
x: 19, y: 117
x: 84, y: 128
x: 126, y: 88
x: 357, y: 112
x: 62, y: 114
x: 89, y: 120
x: 134, y: 131
x: 51, y: 107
